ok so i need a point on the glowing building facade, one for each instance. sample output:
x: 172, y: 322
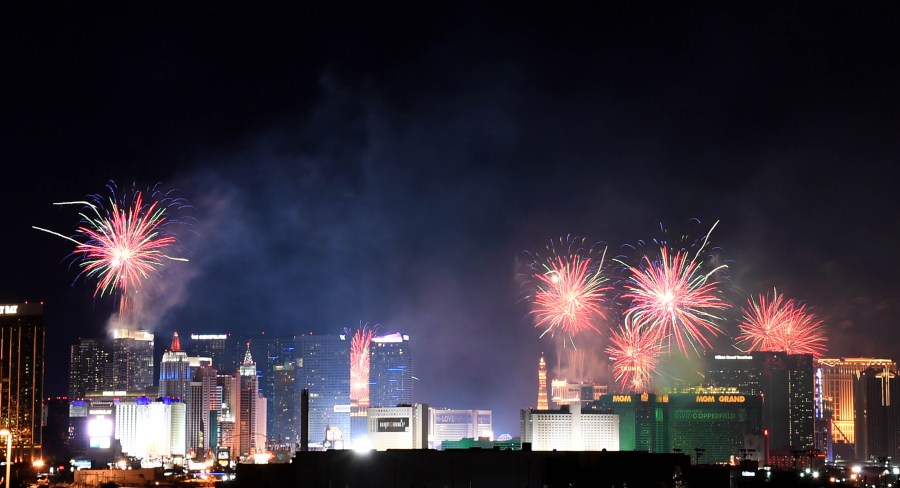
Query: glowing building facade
x: 570, y: 429
x: 446, y: 424
x: 150, y: 429
x: 542, y: 403
x: 838, y: 378
x: 22, y: 376
x: 323, y: 367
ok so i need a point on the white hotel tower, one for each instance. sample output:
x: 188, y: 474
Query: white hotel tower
x: 570, y: 430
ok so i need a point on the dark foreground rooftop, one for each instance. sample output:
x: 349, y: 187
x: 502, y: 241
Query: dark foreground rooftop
x: 468, y: 468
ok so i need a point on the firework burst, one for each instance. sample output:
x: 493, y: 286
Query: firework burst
x: 569, y: 292
x: 359, y: 364
x: 772, y: 323
x: 634, y: 352
x: 674, y: 297
x: 120, y: 242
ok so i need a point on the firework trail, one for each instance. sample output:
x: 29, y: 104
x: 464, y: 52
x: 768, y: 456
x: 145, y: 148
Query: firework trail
x: 359, y: 364
x: 775, y: 324
x: 569, y: 292
x: 674, y: 297
x: 634, y: 352
x: 121, y: 242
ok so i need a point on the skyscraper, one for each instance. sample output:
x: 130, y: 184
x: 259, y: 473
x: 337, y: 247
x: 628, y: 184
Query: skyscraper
x: 22, y: 376
x: 838, y: 377
x: 174, y: 371
x: 323, y: 367
x: 542, y: 385
x: 215, y: 347
x: 250, y: 417
x: 131, y: 367
x: 390, y: 371
x: 877, y: 394
x: 283, y: 405
x: 786, y: 382
x: 88, y: 358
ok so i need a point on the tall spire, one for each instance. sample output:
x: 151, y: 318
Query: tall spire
x: 248, y: 367
x: 248, y: 359
x: 176, y: 343
x: 542, y: 385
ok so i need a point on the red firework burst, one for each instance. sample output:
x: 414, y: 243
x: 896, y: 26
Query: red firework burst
x: 635, y: 353
x: 359, y: 365
x: 675, y: 297
x: 569, y: 296
x: 776, y: 324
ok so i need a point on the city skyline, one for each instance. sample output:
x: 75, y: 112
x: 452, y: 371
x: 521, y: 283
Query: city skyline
x: 395, y: 167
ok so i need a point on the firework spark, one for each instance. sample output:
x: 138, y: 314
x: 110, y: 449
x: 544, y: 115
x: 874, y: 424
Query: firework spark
x: 772, y: 323
x: 359, y: 364
x: 675, y: 296
x: 569, y: 293
x: 121, y: 243
x: 634, y: 352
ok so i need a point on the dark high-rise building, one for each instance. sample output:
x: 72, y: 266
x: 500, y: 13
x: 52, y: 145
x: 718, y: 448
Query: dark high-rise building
x: 323, y: 367
x: 390, y: 371
x: 877, y: 395
x: 215, y: 347
x: 283, y: 406
x: 786, y: 382
x: 131, y: 367
x: 22, y: 377
x: 88, y: 359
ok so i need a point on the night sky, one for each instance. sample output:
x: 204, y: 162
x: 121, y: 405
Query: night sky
x: 392, y: 165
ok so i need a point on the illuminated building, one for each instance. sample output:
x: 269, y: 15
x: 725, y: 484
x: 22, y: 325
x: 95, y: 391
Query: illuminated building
x: 399, y: 427
x: 390, y: 371
x: 567, y: 392
x: 131, y: 361
x: 570, y: 429
x: 88, y: 359
x: 877, y: 419
x: 204, y: 402
x: 838, y: 377
x: 174, y: 371
x: 446, y: 424
x: 22, y: 377
x: 250, y: 415
x: 716, y: 420
x: 323, y: 367
x: 149, y: 429
x: 787, y: 383
x: 542, y: 403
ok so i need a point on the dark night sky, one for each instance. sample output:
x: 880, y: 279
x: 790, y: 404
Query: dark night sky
x: 390, y: 165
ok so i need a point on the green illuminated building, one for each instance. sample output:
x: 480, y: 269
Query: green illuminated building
x: 714, y: 420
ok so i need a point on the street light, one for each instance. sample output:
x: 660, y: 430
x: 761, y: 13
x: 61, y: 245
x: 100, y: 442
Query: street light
x: 8, y: 434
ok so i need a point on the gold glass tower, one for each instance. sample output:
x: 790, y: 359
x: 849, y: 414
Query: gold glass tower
x: 838, y: 376
x: 22, y: 377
